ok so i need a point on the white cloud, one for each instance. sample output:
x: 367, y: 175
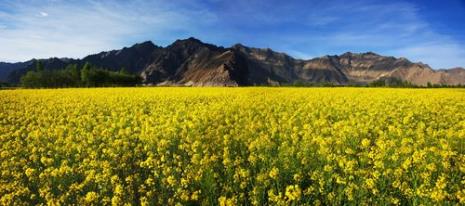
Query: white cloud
x: 439, y: 55
x: 43, y: 14
x: 387, y: 28
x: 303, y: 29
x: 76, y: 30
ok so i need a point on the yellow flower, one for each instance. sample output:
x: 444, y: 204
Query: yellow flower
x: 370, y: 183
x: 223, y: 201
x: 175, y: 146
x: 30, y: 172
x: 171, y: 180
x: 365, y: 142
x: 461, y: 196
x: 293, y: 192
x: 91, y: 197
x: 274, y: 173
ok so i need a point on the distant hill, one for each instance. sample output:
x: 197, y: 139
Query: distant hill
x: 192, y: 62
x: 7, y: 68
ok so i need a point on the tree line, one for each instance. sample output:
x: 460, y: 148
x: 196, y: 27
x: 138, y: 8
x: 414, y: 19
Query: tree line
x: 74, y: 75
x: 395, y: 82
x: 390, y: 82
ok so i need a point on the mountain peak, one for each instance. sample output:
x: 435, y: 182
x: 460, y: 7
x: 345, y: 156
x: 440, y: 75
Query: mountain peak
x: 193, y: 62
x: 145, y: 44
x: 193, y: 39
x: 238, y: 45
x: 370, y: 54
x: 347, y: 54
x: 190, y: 40
x: 191, y: 44
x: 351, y: 54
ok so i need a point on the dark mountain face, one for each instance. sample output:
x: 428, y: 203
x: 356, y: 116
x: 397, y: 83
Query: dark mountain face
x: 194, y: 63
x: 133, y: 59
x: 191, y: 62
x: 7, y: 68
x: 51, y: 63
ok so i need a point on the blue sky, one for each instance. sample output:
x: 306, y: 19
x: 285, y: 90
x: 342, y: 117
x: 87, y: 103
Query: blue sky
x: 429, y: 31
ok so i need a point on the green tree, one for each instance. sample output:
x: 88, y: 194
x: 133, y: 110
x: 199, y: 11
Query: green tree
x: 32, y: 79
x: 39, y: 66
x: 71, y: 76
x: 124, y: 71
x: 85, y: 74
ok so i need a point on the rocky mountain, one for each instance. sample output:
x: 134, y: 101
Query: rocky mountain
x: 368, y: 67
x: 190, y: 62
x: 134, y: 59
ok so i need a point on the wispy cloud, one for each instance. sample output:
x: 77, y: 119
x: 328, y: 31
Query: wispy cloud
x: 389, y: 28
x: 43, y: 14
x: 441, y: 55
x: 303, y: 28
x: 75, y: 29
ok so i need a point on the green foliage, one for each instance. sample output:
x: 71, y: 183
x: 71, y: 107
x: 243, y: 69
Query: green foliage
x: 4, y: 85
x: 430, y: 85
x: 299, y: 83
x: 85, y: 72
x: 123, y: 70
x: 73, y: 76
x: 39, y: 66
x: 391, y: 82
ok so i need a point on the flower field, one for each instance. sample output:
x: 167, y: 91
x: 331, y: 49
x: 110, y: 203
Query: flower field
x: 232, y: 146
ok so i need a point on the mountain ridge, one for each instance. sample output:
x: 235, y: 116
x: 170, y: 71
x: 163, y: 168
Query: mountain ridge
x: 191, y: 62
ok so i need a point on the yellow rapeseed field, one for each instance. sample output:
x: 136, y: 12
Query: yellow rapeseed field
x: 232, y: 146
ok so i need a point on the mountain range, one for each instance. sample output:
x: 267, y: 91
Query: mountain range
x: 191, y: 62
